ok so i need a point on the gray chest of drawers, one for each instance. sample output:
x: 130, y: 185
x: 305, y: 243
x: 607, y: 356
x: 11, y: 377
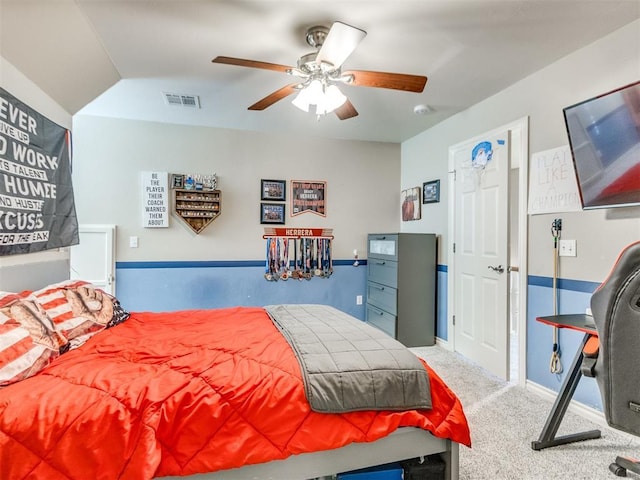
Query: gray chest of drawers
x: 401, y: 286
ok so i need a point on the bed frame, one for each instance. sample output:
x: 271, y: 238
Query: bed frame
x: 402, y: 444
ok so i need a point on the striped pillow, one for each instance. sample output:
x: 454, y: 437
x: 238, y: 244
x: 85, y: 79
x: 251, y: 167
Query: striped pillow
x: 78, y: 309
x: 28, y: 342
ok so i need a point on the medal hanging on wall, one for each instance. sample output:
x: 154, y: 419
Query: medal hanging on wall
x: 308, y: 272
x: 284, y: 271
x: 304, y: 257
x: 317, y: 258
x: 267, y: 268
x: 327, y: 267
x: 295, y: 273
x: 275, y: 261
x: 272, y: 273
x: 301, y: 259
x: 317, y: 271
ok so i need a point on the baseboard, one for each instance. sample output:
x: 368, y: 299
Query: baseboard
x: 590, y: 413
x: 443, y: 343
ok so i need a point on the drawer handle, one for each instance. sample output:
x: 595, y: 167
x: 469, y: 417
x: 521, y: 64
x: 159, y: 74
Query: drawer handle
x: 378, y: 288
x: 380, y: 263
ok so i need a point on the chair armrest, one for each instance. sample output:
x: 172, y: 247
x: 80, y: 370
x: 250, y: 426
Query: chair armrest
x: 590, y: 352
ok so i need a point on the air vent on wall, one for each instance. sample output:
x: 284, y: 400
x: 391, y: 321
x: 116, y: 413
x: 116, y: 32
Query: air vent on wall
x: 182, y: 100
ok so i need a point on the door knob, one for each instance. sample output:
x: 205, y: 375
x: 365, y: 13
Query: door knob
x: 498, y: 269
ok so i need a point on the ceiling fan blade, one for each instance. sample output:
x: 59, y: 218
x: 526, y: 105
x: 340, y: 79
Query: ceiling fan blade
x: 395, y: 81
x: 240, y: 62
x: 274, y: 97
x: 341, y: 41
x: 346, y: 110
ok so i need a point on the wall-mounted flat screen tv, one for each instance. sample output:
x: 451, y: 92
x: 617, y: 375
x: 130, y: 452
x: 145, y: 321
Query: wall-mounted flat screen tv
x: 604, y: 136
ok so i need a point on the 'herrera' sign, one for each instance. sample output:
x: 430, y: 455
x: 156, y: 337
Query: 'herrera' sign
x: 298, y: 232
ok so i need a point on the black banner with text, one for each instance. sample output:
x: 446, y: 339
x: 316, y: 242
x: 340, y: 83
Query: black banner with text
x: 37, y: 209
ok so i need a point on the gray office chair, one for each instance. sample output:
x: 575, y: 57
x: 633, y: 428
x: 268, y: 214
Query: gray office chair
x: 615, y: 306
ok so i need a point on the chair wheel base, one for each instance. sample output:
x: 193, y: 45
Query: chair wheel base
x: 617, y: 470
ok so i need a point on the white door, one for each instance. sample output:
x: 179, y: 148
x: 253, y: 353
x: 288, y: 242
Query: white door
x: 481, y: 254
x: 93, y: 258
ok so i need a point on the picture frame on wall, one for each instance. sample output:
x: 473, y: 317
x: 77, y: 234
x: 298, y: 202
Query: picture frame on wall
x: 410, y: 200
x: 177, y: 180
x: 272, y: 213
x: 273, y: 190
x: 431, y: 191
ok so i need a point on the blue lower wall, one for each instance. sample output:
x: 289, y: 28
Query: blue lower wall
x: 169, y: 286
x: 573, y: 297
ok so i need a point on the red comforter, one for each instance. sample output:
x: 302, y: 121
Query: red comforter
x: 181, y: 393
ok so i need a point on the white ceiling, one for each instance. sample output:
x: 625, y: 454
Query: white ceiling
x: 116, y: 58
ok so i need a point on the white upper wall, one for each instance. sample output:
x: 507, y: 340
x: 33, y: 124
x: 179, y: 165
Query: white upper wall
x: 21, y: 87
x: 602, y: 66
x: 109, y: 154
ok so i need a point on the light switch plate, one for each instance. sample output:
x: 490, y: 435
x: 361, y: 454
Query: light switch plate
x: 567, y: 248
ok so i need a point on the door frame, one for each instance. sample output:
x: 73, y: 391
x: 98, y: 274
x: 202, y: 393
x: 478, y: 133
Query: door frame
x: 519, y: 129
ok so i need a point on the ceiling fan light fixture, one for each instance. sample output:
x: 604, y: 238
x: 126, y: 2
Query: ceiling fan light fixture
x: 325, y: 98
x: 333, y: 99
x: 308, y: 96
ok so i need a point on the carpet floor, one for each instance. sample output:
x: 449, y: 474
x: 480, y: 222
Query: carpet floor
x: 504, y: 418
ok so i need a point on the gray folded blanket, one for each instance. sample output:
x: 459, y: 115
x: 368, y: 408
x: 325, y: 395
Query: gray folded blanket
x: 348, y: 365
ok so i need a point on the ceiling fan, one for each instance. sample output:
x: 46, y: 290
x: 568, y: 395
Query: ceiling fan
x: 321, y: 71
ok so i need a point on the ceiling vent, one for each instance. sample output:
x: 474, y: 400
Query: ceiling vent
x: 182, y: 100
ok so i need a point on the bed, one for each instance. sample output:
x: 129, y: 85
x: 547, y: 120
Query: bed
x: 216, y: 394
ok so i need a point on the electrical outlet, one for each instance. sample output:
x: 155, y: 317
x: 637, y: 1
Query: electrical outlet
x: 567, y: 248
x: 358, y: 299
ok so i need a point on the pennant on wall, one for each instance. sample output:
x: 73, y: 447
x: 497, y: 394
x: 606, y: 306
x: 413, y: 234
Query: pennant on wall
x: 37, y: 209
x: 308, y: 196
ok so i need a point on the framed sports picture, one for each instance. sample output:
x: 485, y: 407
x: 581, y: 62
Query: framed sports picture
x: 273, y: 190
x: 431, y: 191
x: 177, y: 180
x: 272, y: 213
